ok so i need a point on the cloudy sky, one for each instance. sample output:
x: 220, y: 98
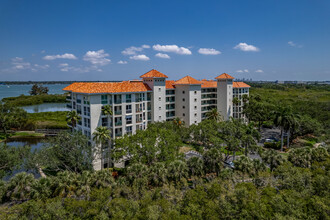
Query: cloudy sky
x: 120, y: 40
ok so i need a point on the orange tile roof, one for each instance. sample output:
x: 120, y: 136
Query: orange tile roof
x: 224, y: 76
x: 209, y: 84
x: 169, y: 84
x: 240, y: 85
x: 187, y: 80
x: 154, y: 74
x: 107, y: 87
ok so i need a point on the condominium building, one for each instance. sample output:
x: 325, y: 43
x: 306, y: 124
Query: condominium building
x: 136, y: 103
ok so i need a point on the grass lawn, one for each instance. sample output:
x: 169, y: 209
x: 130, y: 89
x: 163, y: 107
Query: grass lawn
x: 52, y: 120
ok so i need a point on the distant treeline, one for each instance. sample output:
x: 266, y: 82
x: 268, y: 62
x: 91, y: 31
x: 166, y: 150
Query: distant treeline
x: 272, y: 85
x: 45, y: 82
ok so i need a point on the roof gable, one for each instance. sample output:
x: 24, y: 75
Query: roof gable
x: 240, y: 85
x: 187, y: 80
x: 153, y: 74
x: 224, y: 76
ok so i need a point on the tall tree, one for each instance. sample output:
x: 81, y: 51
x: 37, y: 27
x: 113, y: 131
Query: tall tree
x: 213, y: 114
x: 102, y: 137
x: 11, y: 117
x: 273, y: 158
x: 244, y: 165
x: 73, y: 117
x: 67, y: 151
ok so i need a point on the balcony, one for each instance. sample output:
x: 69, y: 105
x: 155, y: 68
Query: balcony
x: 79, y: 111
x: 149, y: 108
x: 170, y: 107
x: 117, y: 101
x: 69, y: 106
x: 139, y: 110
x: 68, y: 97
x: 119, y: 112
x: 118, y: 134
x: 119, y: 123
x: 138, y: 120
x: 79, y: 101
x: 138, y: 100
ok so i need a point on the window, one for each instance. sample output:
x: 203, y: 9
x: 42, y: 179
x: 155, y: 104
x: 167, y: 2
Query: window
x: 183, y: 100
x: 160, y: 108
x: 183, y: 114
x: 195, y: 92
x: 87, y: 111
x: 139, y: 118
x: 87, y: 122
x: 128, y: 98
x: 129, y: 119
x: 105, y: 122
x: 160, y: 117
x: 138, y: 107
x: 195, y: 100
x: 104, y: 99
x: 183, y: 92
x: 195, y: 114
x: 195, y: 107
x: 183, y: 107
x: 128, y: 109
x: 195, y: 122
x: 129, y: 130
x: 159, y: 98
x: 159, y: 89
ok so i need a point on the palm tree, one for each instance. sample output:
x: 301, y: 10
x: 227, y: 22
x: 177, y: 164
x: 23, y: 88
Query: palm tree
x: 103, y: 179
x: 20, y: 187
x: 245, y: 98
x: 213, y: 160
x: 258, y: 166
x: 66, y: 184
x: 107, y: 110
x: 196, y: 166
x: 137, y: 174
x: 178, y: 171
x: 101, y: 136
x: 73, y: 117
x: 236, y: 101
x: 158, y: 174
x: 273, y: 158
x: 301, y: 157
x: 213, y: 114
x: 286, y: 120
x: 244, y: 165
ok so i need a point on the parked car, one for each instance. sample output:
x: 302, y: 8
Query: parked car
x: 229, y: 164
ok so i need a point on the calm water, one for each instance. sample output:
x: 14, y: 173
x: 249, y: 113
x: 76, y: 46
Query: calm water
x: 35, y: 143
x: 17, y: 90
x: 46, y: 107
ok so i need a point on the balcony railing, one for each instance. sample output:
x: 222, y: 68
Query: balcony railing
x: 118, y: 134
x: 139, y: 110
x: 119, y: 123
x: 138, y: 100
x: 117, y: 101
x: 79, y: 111
x: 69, y: 106
x: 138, y: 120
x: 119, y: 112
x: 68, y: 97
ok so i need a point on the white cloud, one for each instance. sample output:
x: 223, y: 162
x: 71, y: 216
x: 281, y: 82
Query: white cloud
x: 63, y: 56
x: 292, y: 44
x: 122, y: 62
x: 140, y: 57
x: 163, y: 55
x: 19, y: 64
x: 246, y: 47
x: 246, y: 71
x: 132, y: 50
x: 172, y: 48
x: 41, y: 66
x: 259, y: 71
x: 239, y: 71
x: 63, y: 65
x: 208, y: 51
x: 97, y: 57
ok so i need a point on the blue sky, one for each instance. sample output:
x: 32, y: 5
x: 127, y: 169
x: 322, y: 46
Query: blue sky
x: 119, y: 40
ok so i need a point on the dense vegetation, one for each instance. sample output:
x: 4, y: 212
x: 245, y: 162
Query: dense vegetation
x: 160, y: 182
x: 24, y: 100
x: 50, y: 120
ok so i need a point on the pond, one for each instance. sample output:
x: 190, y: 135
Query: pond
x: 46, y: 107
x: 35, y: 143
